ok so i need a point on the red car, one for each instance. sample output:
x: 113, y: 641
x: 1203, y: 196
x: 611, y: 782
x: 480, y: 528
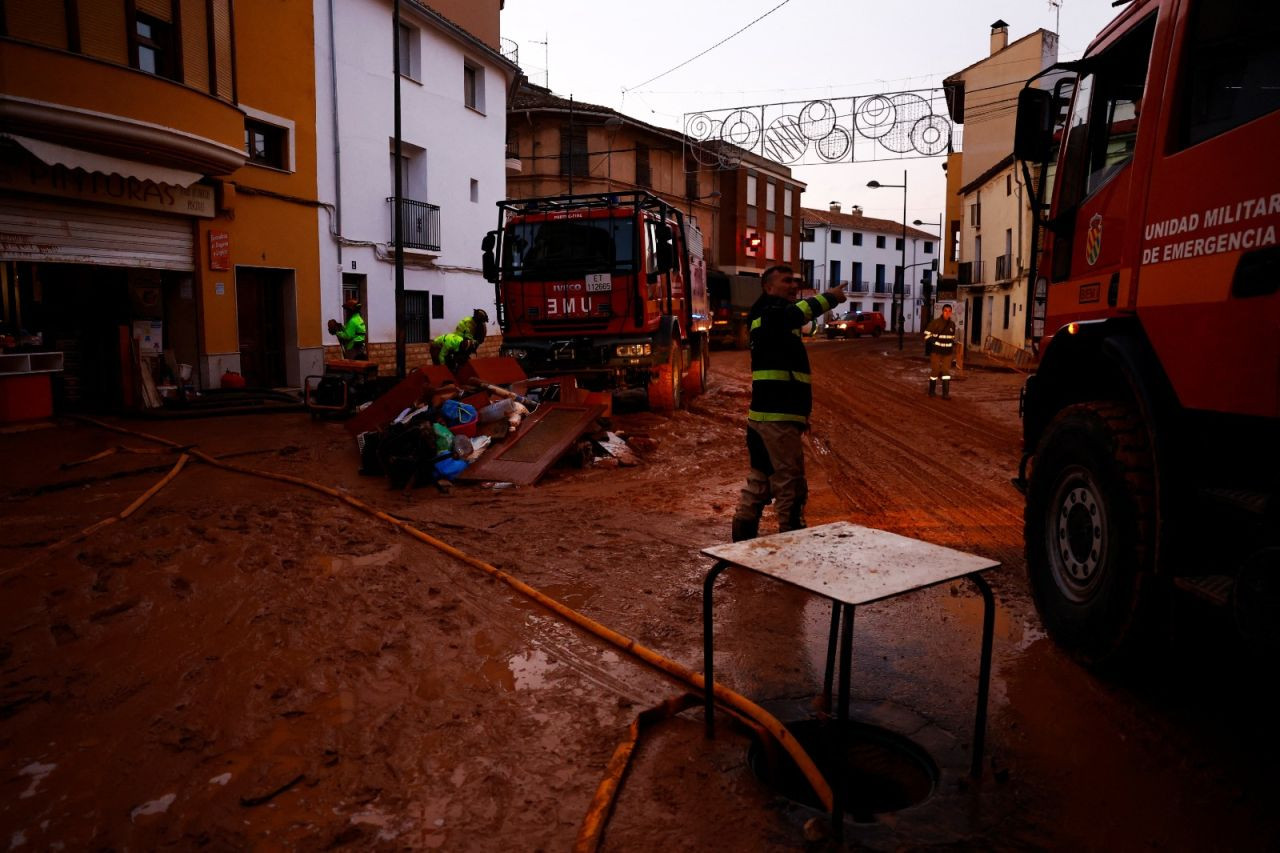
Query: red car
x: 857, y: 324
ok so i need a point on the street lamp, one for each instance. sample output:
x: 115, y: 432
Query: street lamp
x: 928, y: 295
x: 901, y: 282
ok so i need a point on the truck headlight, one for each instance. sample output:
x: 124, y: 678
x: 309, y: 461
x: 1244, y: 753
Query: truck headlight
x: 632, y: 350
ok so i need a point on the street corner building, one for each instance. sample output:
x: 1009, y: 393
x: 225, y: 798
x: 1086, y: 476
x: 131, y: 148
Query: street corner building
x: 172, y: 204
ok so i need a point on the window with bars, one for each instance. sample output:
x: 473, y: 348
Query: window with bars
x: 573, y: 151
x: 417, y: 324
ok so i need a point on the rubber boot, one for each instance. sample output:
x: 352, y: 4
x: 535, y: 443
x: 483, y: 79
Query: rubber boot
x: 933, y: 387
x: 946, y: 389
x: 745, y: 528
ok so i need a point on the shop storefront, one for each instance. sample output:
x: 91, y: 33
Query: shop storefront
x: 97, y: 261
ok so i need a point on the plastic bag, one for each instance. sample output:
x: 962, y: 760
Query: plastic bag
x: 456, y: 412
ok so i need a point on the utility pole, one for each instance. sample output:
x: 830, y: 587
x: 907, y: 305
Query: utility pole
x: 397, y: 215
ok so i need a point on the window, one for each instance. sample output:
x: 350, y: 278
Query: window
x: 897, y: 244
x: 573, y: 151
x: 1008, y: 184
x: 835, y: 274
x: 880, y: 281
x: 475, y: 191
x: 410, y: 63
x: 417, y: 324
x: 770, y: 246
x: 1006, y: 310
x: 644, y: 177
x: 153, y: 47
x: 1232, y: 70
x: 266, y: 144
x: 835, y: 235
x: 855, y: 276
x: 855, y: 238
x: 928, y: 247
x: 473, y: 86
x: 786, y: 249
x: 751, y: 189
x: 975, y: 214
x: 770, y: 196
x: 879, y: 241
x: 807, y: 235
x: 413, y: 171
x: 807, y: 270
x: 437, y: 306
x: 786, y: 201
x: 353, y: 287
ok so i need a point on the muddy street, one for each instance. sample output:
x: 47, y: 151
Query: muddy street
x: 243, y: 662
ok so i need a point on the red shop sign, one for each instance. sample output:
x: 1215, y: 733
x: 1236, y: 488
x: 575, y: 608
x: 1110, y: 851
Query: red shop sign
x: 219, y: 250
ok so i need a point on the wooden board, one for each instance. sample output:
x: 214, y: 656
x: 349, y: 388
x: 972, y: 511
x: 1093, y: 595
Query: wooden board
x: 541, y: 440
x: 405, y: 393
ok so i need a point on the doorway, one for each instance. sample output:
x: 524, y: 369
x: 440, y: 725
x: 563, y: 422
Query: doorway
x: 262, y: 318
x: 975, y: 321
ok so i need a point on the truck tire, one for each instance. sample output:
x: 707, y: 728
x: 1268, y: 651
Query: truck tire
x: 1089, y: 530
x: 695, y: 381
x: 664, y: 387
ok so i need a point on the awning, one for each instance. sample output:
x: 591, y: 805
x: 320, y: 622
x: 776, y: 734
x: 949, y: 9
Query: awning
x: 77, y: 158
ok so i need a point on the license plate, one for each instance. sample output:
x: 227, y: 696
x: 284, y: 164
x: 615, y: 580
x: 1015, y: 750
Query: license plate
x: 599, y: 282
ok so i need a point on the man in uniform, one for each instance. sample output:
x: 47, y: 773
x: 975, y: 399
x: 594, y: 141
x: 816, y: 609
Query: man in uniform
x: 475, y: 327
x: 353, y: 335
x: 452, y: 350
x: 781, y: 399
x: 940, y: 341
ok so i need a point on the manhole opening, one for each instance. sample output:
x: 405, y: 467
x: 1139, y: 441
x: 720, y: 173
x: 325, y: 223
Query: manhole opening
x: 879, y: 771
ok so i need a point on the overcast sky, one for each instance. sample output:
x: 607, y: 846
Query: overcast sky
x: 804, y: 50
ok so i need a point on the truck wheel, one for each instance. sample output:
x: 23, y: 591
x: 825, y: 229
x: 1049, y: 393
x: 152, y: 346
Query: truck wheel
x: 1089, y: 529
x: 664, y: 388
x: 695, y: 381
x: 741, y: 336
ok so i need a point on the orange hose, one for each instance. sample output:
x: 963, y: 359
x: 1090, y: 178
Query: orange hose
x: 679, y: 672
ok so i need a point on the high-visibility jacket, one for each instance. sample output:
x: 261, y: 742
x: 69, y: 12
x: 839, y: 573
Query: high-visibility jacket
x: 450, y: 343
x: 354, y: 332
x: 780, y: 389
x: 470, y: 329
x: 941, y: 333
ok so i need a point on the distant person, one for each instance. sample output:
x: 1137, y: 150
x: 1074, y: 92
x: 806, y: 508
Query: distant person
x: 475, y: 327
x: 781, y: 400
x: 353, y: 336
x: 940, y: 341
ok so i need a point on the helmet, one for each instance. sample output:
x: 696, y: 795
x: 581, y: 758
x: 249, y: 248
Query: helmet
x: 351, y: 303
x: 480, y: 315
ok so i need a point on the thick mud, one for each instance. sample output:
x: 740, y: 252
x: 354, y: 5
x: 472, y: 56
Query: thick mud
x: 246, y: 663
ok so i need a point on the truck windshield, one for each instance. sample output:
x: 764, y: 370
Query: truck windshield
x: 562, y: 248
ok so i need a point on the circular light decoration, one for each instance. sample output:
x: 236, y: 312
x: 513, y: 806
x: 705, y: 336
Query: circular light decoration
x: 784, y: 141
x: 817, y: 119
x: 874, y: 117
x: 834, y: 146
x: 741, y: 128
x: 931, y: 134
x: 699, y: 127
x: 908, y: 108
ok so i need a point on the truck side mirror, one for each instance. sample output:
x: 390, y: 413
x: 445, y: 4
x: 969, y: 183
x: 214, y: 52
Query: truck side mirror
x: 1033, y: 133
x: 490, y: 264
x: 664, y: 251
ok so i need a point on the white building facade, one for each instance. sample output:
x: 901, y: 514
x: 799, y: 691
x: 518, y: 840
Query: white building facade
x: 453, y: 93
x: 865, y: 255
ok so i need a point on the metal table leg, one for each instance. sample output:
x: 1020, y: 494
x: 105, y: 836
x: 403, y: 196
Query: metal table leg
x: 984, y: 673
x: 708, y: 648
x: 842, y: 730
x: 831, y: 656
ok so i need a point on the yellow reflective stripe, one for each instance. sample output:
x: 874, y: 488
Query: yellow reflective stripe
x: 753, y: 415
x: 805, y: 308
x: 755, y: 324
x: 781, y: 375
x: 826, y: 306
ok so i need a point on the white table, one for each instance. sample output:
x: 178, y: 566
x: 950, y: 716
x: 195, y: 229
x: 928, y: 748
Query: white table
x: 851, y: 565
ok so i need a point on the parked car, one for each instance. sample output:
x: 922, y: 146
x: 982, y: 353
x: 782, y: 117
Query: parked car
x: 857, y: 324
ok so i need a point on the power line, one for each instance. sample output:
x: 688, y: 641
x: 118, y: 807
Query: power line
x: 713, y: 47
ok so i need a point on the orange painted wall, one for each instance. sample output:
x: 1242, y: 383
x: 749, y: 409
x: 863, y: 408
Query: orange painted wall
x: 275, y: 74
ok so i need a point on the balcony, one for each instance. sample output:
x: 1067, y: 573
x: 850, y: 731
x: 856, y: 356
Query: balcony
x: 859, y: 286
x: 420, y: 224
x: 513, y: 156
x: 1004, y: 267
x: 882, y: 287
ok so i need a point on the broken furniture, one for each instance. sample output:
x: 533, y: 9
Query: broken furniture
x: 345, y: 384
x: 851, y: 565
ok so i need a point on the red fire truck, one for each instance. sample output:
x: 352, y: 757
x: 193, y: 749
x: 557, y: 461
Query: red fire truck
x: 1151, y: 428
x: 608, y: 287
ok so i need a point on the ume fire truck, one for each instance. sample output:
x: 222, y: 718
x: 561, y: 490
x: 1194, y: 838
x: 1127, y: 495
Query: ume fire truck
x: 1151, y: 427
x: 609, y: 287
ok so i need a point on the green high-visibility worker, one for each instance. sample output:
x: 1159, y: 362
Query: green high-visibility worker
x: 474, y: 327
x: 452, y: 350
x: 354, y: 334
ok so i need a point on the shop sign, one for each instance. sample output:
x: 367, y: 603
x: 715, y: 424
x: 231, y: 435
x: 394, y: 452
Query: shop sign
x: 57, y: 180
x: 219, y: 250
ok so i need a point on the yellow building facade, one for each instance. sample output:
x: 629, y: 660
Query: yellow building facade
x: 157, y: 193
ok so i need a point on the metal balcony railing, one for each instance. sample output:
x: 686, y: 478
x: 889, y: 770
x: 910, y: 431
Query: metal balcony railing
x: 420, y: 221
x: 1004, y: 267
x: 513, y: 150
x: 859, y: 286
x: 883, y: 287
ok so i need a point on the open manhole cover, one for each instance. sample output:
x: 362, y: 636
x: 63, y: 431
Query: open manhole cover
x: 878, y: 770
